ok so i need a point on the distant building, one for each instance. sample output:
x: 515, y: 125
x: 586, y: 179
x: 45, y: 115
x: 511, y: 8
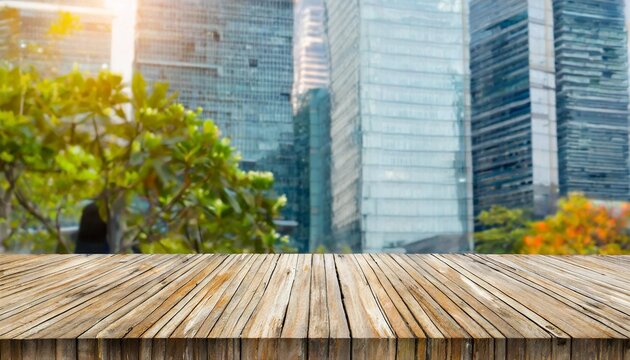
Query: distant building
x: 592, y: 96
x: 310, y: 49
x: 550, y: 102
x: 312, y: 147
x: 234, y: 60
x: 25, y: 38
x: 400, y: 119
x: 514, y: 152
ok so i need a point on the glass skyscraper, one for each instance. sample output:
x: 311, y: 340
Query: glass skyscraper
x: 550, y: 102
x: 513, y: 116
x: 233, y: 58
x: 25, y: 37
x: 592, y: 93
x: 400, y: 116
x: 310, y: 49
x: 312, y: 148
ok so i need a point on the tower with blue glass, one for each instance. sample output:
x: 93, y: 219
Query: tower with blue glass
x: 549, y: 102
x: 312, y: 149
x: 234, y: 60
x: 592, y: 97
x: 400, y: 119
x: 515, y: 162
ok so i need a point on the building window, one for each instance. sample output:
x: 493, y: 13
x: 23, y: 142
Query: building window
x: 215, y: 35
x: 253, y: 63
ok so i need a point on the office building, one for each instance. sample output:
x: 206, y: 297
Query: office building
x: 312, y: 148
x: 513, y: 115
x: 400, y: 119
x: 233, y: 59
x: 592, y: 97
x: 26, y: 38
x: 310, y: 49
x: 550, y: 102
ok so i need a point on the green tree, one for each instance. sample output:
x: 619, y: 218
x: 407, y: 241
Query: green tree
x: 163, y: 177
x: 504, y: 231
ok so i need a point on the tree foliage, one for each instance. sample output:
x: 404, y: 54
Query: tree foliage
x: 163, y: 177
x: 504, y: 230
x: 581, y: 227
x: 66, y: 24
x: 578, y: 227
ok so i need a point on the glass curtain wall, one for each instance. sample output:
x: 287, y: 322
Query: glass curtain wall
x: 400, y: 103
x: 233, y: 58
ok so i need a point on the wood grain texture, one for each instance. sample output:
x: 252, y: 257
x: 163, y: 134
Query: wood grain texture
x: 368, y: 306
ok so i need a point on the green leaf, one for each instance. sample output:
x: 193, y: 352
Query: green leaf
x: 139, y: 90
x: 69, y: 146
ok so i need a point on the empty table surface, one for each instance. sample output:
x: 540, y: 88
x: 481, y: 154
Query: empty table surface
x: 314, y: 306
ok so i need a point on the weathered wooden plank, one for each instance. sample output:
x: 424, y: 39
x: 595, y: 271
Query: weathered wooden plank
x: 527, y: 322
x: 75, y: 324
x: 110, y: 349
x: 66, y: 349
x: 610, y: 296
x: 589, y: 306
x: 14, y: 260
x: 438, y: 314
x: 446, y: 278
x: 87, y: 349
x: 372, y: 334
x: 158, y: 349
x: 572, y: 322
x: 375, y: 306
x: 339, y: 344
x: 295, y: 327
x: 32, y: 265
x: 141, y: 300
x: 603, y: 263
x: 135, y: 323
x: 397, y: 301
x: 595, y: 278
x: 461, y: 312
x: 259, y: 337
x: 599, y: 349
x: 19, y: 325
x: 238, y: 312
x: 450, y: 338
x: 403, y: 288
x: 594, y: 274
x: 28, y: 279
x: 47, y: 287
x: 318, y: 318
x: 229, y: 349
x: 267, y: 320
x: 619, y: 260
x: 209, y: 297
x: 57, y: 311
x: 405, y: 337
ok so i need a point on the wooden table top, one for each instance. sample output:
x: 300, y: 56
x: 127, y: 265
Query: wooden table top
x: 433, y: 306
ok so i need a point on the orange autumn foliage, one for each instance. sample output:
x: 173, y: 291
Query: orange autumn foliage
x: 581, y: 227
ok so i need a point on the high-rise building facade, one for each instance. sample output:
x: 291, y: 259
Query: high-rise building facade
x: 592, y: 96
x: 550, y: 102
x: 513, y: 93
x: 25, y: 35
x: 233, y: 58
x: 312, y: 148
x: 400, y: 119
x: 310, y: 49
